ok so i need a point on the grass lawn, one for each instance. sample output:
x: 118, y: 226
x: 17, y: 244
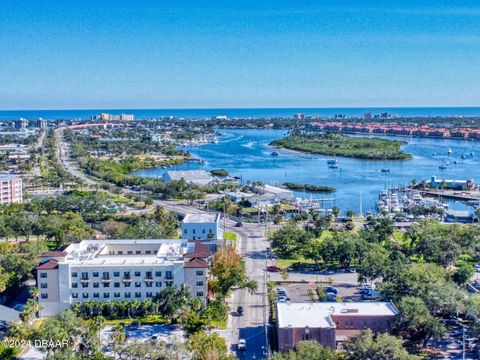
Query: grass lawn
x: 289, y: 261
x: 231, y: 236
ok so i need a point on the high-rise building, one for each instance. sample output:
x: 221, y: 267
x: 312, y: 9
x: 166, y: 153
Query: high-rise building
x: 42, y: 124
x: 10, y: 189
x: 21, y: 123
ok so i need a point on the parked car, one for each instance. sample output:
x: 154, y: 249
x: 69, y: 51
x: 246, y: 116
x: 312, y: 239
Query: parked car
x: 352, y: 270
x: 273, y: 268
x: 240, y: 310
x: 239, y: 224
x: 242, y: 345
x: 331, y: 289
x: 477, y: 267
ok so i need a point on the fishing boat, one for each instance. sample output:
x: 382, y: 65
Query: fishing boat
x: 443, y: 166
x: 385, y: 170
x: 274, y: 153
x: 333, y: 161
x: 333, y: 166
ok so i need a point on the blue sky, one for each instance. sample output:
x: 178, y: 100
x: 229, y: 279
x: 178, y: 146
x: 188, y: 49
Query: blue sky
x: 194, y: 54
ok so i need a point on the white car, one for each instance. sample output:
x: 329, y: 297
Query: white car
x: 477, y: 267
x: 242, y: 345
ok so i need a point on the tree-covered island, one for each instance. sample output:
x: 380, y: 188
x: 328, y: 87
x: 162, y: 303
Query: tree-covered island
x: 342, y: 145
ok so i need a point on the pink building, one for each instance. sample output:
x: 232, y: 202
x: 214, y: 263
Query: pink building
x: 10, y: 189
x: 330, y: 323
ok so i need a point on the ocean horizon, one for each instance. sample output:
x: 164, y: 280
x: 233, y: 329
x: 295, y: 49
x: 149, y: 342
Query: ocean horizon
x: 84, y: 114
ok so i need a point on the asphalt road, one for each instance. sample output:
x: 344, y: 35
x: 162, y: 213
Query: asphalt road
x: 251, y: 244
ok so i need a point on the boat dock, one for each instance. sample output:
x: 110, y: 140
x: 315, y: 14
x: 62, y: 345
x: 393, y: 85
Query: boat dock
x: 467, y: 195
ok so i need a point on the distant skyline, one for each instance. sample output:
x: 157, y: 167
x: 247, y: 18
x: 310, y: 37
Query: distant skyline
x: 249, y: 54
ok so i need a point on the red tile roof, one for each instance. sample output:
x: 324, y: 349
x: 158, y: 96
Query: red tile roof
x: 54, y: 254
x: 199, y: 251
x: 49, y: 265
x: 196, y: 263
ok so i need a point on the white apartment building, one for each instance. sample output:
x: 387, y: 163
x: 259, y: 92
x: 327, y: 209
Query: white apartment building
x: 10, y: 189
x: 202, y: 226
x: 120, y: 269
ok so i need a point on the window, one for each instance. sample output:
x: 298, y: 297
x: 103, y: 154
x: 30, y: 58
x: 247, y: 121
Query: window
x: 43, y: 275
x: 116, y: 274
x: 193, y: 231
x: 106, y: 275
x: 137, y: 273
x: 96, y: 295
x: 96, y: 285
x: 43, y: 285
x: 158, y: 273
x: 95, y: 274
x: 106, y: 295
x: 106, y: 284
x: 126, y: 274
x: 84, y: 275
x: 168, y: 283
x: 149, y: 294
x: 117, y: 294
x: 127, y: 284
x: 44, y: 296
x: 85, y: 295
x: 306, y: 337
x: 148, y: 274
x: 74, y: 285
x: 158, y: 284
x: 117, y: 284
x: 127, y: 295
x: 199, y: 272
x: 200, y: 293
x: 138, y: 295
x: 199, y: 283
x: 138, y: 252
x: 84, y: 285
x: 148, y: 252
x: 185, y: 231
x: 203, y: 231
x: 148, y: 284
x: 138, y: 284
x: 168, y: 275
x: 74, y: 295
x: 120, y: 253
x: 130, y: 252
x: 74, y: 274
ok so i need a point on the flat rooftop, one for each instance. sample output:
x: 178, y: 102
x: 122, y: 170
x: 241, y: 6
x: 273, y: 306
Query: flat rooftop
x: 126, y: 252
x: 318, y: 315
x: 201, y: 218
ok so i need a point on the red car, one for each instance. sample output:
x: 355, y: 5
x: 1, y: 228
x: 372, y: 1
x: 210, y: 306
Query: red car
x: 273, y: 268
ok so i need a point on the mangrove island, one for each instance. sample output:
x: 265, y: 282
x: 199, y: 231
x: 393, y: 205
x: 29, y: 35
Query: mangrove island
x: 342, y: 145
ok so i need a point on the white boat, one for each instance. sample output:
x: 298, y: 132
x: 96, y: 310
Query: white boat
x: 449, y: 151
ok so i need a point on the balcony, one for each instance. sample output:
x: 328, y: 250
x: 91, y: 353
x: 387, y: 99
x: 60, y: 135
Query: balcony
x: 83, y: 280
x: 127, y: 279
x: 148, y: 278
x: 105, y: 280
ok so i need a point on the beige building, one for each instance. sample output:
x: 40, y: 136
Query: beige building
x: 330, y: 323
x: 120, y: 269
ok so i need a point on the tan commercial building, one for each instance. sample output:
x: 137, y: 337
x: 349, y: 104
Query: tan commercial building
x: 120, y: 269
x: 330, y: 323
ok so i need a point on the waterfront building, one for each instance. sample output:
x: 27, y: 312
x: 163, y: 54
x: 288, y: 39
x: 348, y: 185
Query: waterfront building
x: 42, y: 124
x: 202, y: 226
x: 113, y: 117
x: 298, y: 116
x: 21, y: 123
x: 10, y: 189
x: 455, y: 184
x: 120, y: 269
x: 200, y: 177
x: 330, y: 323
x: 276, y: 193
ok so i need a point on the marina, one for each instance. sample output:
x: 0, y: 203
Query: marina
x: 245, y: 154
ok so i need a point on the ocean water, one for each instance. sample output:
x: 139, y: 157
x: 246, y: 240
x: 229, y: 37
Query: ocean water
x: 245, y: 153
x: 239, y: 113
